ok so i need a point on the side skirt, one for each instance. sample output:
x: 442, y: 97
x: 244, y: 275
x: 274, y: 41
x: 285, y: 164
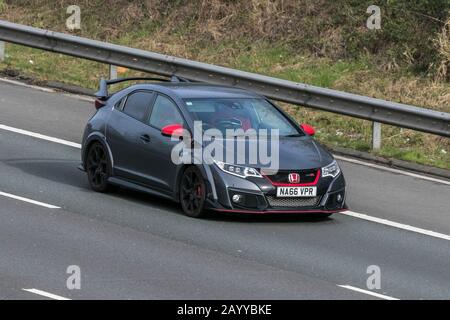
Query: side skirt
x: 131, y: 185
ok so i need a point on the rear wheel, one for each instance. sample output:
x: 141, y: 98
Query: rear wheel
x: 192, y: 192
x: 98, y: 167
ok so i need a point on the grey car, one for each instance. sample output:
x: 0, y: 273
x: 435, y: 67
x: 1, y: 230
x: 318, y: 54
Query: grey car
x: 129, y: 142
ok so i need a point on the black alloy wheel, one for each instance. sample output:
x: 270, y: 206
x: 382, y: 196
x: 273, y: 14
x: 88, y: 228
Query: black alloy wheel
x: 98, y: 168
x: 192, y: 192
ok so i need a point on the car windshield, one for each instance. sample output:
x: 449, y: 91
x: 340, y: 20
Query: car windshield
x: 239, y: 113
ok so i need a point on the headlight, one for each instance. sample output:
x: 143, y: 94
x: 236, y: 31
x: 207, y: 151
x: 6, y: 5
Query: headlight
x: 236, y: 170
x: 331, y: 170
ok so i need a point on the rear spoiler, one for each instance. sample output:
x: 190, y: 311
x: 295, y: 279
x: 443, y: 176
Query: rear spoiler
x: 102, y: 93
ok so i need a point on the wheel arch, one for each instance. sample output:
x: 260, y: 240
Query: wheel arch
x: 97, y: 137
x: 207, y: 177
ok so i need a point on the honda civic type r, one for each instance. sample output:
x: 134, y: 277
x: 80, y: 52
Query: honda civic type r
x: 130, y: 139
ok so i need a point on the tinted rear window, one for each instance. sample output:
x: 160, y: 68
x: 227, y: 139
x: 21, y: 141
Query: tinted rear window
x: 137, y: 104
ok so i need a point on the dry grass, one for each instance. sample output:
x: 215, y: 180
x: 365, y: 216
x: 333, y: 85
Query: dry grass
x: 298, y: 40
x: 423, y: 92
x: 442, y: 43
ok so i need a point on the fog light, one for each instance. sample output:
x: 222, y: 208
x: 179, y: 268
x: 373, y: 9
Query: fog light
x: 339, y: 198
x: 237, y: 198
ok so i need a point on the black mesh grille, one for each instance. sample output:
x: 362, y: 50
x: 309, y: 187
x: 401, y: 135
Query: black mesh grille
x: 306, y: 176
x: 292, y: 202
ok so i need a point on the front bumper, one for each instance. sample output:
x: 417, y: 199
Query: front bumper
x: 259, y: 196
x: 309, y: 211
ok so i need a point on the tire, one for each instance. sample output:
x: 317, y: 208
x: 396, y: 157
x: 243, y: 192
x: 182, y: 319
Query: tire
x: 192, y: 193
x: 98, y: 168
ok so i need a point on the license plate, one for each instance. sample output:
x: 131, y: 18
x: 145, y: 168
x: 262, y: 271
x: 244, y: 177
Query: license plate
x: 296, y: 191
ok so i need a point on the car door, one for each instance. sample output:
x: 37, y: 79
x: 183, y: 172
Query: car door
x: 128, y: 137
x: 160, y: 166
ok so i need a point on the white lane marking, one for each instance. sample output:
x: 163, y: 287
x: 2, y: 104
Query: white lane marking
x: 77, y: 145
x: 406, y: 173
x: 46, y: 294
x: 371, y: 293
x: 397, y: 225
x: 351, y: 160
x: 41, y: 136
x: 349, y: 213
x: 18, y: 83
x: 42, y: 204
x: 79, y: 97
x: 48, y: 90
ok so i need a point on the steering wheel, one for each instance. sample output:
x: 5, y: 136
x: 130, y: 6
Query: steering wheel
x: 231, y: 123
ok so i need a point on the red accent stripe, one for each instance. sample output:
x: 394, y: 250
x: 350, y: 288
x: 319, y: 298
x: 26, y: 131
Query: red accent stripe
x: 277, y: 184
x: 278, y: 211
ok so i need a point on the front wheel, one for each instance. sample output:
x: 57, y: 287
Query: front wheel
x: 192, y: 192
x: 98, y: 168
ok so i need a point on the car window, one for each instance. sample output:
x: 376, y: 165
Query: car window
x: 239, y: 113
x: 271, y: 118
x: 164, y: 112
x: 137, y: 104
x: 119, y: 104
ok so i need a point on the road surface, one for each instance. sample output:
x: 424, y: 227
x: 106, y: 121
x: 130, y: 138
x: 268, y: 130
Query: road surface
x: 130, y: 245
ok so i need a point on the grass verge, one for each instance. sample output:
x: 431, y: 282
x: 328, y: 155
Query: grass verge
x: 357, y: 76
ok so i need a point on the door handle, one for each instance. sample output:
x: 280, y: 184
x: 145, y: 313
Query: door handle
x: 145, y: 138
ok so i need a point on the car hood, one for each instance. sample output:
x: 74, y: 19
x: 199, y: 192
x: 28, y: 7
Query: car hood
x: 294, y: 153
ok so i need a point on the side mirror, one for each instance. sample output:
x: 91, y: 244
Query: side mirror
x: 308, y: 129
x: 170, y: 130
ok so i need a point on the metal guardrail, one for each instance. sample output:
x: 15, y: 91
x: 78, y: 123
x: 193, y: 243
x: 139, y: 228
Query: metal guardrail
x: 353, y: 105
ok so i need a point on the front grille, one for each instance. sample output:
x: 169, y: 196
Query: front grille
x: 292, y: 202
x: 282, y: 176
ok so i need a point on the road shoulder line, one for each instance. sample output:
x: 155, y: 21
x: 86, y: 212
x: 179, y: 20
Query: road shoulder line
x: 40, y: 136
x: 46, y: 294
x: 397, y: 225
x: 77, y: 145
x: 38, y: 203
x: 370, y: 293
x: 349, y: 213
x: 376, y: 166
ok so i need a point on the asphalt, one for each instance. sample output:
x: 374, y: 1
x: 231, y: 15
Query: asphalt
x: 130, y: 245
